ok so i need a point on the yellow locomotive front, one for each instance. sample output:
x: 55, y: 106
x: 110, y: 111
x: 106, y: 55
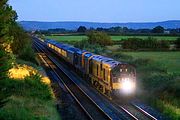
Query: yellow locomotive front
x: 123, y: 79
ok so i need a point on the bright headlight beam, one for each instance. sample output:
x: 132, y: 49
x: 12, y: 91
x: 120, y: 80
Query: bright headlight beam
x: 128, y: 86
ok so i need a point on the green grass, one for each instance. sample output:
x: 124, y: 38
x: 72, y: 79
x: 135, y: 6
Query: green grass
x: 66, y: 38
x: 170, y: 60
x: 115, y: 38
x: 167, y: 108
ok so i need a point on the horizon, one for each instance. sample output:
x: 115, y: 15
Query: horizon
x: 98, y: 22
x: 115, y: 11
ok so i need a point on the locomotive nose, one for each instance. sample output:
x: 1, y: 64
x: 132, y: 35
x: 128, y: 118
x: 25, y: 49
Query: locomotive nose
x: 128, y: 86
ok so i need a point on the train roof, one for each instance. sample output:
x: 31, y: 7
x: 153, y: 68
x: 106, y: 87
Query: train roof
x: 105, y: 60
x: 73, y: 49
x: 51, y: 41
x: 88, y: 55
x: 63, y: 46
x: 111, y: 63
x: 81, y: 52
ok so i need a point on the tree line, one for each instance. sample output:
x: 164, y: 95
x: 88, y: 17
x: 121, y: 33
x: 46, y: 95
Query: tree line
x: 158, y: 30
x: 150, y: 43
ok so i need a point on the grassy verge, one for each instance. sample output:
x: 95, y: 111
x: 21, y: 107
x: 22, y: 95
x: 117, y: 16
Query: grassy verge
x: 158, y: 78
x: 30, y: 96
x: 167, y: 108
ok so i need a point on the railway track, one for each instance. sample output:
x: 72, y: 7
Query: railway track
x: 135, y: 112
x: 131, y: 110
x: 144, y: 112
x: 90, y: 108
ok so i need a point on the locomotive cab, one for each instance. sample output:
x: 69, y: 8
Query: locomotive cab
x: 124, y: 79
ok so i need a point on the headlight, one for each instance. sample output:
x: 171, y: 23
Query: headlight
x: 128, y: 86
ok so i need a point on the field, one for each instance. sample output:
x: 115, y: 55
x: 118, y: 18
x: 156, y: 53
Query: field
x: 163, y: 89
x: 171, y: 60
x: 67, y: 38
x: 115, y: 38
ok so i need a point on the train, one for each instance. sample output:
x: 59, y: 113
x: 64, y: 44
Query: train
x: 107, y: 75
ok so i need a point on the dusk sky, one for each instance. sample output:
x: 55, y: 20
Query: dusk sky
x: 97, y: 10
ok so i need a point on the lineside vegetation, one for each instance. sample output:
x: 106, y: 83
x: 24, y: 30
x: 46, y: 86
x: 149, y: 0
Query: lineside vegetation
x: 28, y: 97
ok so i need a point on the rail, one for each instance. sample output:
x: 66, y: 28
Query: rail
x: 92, y: 110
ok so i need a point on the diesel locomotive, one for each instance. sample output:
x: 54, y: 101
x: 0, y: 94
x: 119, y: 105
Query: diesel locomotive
x: 108, y: 76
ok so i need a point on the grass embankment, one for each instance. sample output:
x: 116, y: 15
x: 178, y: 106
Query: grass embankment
x: 115, y: 38
x: 30, y: 96
x: 158, y: 77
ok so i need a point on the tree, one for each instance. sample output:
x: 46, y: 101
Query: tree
x: 20, y: 38
x: 7, y: 18
x: 158, y: 29
x: 125, y: 30
x: 82, y: 29
x: 101, y: 38
x: 177, y: 42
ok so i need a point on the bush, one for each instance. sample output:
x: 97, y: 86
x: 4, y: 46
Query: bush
x: 164, y: 93
x: 29, y: 87
x: 20, y: 38
x: 84, y: 44
x: 131, y: 43
x: 177, y: 42
x: 149, y: 43
x: 27, y: 53
x: 101, y: 38
x: 30, y: 96
x: 157, y: 82
x: 158, y: 29
x: 21, y: 45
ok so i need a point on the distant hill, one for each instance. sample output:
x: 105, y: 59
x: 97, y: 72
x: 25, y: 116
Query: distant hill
x: 34, y: 25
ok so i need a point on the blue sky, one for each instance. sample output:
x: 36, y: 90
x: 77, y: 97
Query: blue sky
x: 97, y: 10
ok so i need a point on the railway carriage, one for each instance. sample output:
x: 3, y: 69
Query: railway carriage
x: 87, y: 57
x: 79, y: 64
x: 107, y: 75
x: 72, y: 56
